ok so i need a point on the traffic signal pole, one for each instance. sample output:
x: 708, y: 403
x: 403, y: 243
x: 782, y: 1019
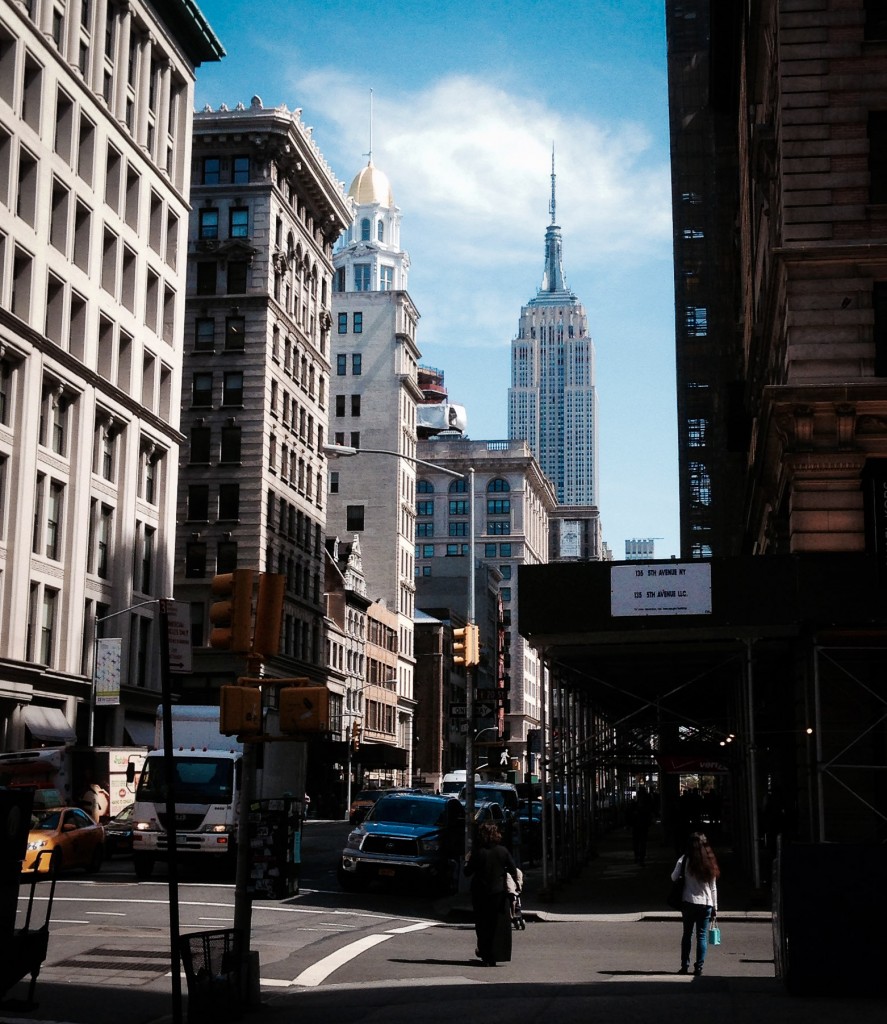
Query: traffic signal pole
x: 470, y: 676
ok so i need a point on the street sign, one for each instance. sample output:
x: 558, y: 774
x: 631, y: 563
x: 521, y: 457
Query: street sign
x: 491, y: 693
x: 484, y: 710
x: 458, y: 710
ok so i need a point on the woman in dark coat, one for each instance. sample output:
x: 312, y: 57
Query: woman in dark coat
x: 487, y: 867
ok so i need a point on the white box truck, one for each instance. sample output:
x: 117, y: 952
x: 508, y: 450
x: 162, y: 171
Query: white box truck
x: 207, y: 779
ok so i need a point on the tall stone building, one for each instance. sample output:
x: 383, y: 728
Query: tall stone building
x: 513, y: 500
x: 95, y: 135
x: 267, y: 210
x: 374, y: 392
x: 552, y: 401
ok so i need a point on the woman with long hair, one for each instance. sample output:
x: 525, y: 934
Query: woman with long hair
x: 700, y: 871
x: 487, y: 867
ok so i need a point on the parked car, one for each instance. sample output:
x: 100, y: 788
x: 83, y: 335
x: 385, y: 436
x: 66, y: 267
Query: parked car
x: 530, y: 817
x: 118, y: 832
x: 63, y: 837
x: 406, y: 837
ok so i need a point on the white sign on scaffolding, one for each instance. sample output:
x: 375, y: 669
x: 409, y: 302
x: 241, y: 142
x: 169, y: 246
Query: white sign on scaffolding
x: 659, y: 588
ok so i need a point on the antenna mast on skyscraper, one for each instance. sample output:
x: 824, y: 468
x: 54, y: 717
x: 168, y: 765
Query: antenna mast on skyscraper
x: 553, y: 204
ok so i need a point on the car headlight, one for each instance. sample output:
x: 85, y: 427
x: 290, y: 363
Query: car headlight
x: 215, y: 828
x: 37, y: 844
x: 141, y: 826
x: 431, y: 844
x: 354, y: 839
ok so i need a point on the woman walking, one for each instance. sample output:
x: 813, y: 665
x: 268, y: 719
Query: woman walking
x: 487, y: 867
x: 699, y: 868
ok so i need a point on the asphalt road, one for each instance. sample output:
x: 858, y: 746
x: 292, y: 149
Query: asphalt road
x: 395, y: 957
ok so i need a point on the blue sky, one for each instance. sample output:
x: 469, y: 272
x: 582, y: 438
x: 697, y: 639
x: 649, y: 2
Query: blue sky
x: 468, y: 99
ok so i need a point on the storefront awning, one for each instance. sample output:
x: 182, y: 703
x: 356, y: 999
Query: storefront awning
x: 48, y: 725
x: 140, y: 734
x: 380, y: 755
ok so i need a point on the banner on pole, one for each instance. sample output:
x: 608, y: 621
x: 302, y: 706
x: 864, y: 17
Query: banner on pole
x: 107, y: 671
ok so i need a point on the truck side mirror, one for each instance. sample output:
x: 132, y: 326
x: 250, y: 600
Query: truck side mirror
x: 130, y: 772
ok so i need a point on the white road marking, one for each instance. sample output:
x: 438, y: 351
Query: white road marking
x: 318, y: 972
x: 104, y: 913
x: 314, y: 975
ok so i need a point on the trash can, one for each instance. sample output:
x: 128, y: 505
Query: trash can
x: 212, y: 966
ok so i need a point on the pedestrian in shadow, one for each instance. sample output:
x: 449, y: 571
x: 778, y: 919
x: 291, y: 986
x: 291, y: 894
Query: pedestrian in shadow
x: 700, y: 871
x: 641, y: 816
x: 487, y: 867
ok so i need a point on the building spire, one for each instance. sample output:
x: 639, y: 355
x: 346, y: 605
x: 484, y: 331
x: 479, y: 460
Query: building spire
x: 552, y: 206
x: 553, y: 278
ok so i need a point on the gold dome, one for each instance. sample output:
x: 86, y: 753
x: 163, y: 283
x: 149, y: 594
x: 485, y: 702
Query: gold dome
x: 370, y: 186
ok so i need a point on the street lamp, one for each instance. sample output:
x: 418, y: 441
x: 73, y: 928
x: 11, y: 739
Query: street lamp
x: 335, y: 451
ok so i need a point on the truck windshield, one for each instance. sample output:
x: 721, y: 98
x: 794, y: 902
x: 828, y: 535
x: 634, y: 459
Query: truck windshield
x: 198, y: 780
x: 404, y: 811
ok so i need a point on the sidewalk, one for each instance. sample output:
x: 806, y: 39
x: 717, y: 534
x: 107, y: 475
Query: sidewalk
x: 611, y: 884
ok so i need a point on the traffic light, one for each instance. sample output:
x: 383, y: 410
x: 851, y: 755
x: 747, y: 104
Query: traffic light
x: 355, y: 735
x: 472, y: 645
x: 304, y: 709
x: 240, y: 711
x: 231, y: 613
x: 460, y: 646
x: 269, y: 614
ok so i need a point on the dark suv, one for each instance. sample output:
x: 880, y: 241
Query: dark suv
x: 406, y: 836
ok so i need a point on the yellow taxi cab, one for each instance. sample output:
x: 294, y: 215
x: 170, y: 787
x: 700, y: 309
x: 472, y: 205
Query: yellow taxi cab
x: 63, y: 837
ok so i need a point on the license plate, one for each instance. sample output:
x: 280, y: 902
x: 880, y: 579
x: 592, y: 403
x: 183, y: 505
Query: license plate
x: 388, y: 872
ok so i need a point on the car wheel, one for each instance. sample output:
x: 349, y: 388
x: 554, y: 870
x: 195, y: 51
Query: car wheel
x: 95, y: 864
x: 143, y: 864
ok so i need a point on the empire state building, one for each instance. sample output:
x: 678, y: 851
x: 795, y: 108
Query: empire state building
x: 552, y: 401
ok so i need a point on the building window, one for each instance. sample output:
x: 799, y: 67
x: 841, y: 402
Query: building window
x: 147, y: 566
x: 232, y: 390
x: 425, y: 529
x: 355, y: 439
x: 700, y: 484
x: 202, y: 389
x: 195, y: 559
x: 498, y: 486
x: 238, y: 222
x: 879, y: 330
x: 235, y: 333
x: 334, y: 482
x: 362, y: 277
x: 504, y: 569
x: 211, y: 168
x: 200, y: 444
x: 459, y: 506
x: 209, y: 224
x: 240, y: 170
x: 354, y: 518
x: 237, y: 277
x: 489, y: 550
x: 226, y: 556
x: 229, y: 501
x: 458, y: 529
x: 204, y: 334
x: 456, y: 549
x: 365, y: 229
x: 877, y: 133
x: 425, y: 508
x: 459, y: 486
x: 103, y: 542
x: 357, y: 364
x: 424, y: 487
x: 5, y: 390
x: 505, y: 551
x: 498, y: 506
x: 341, y: 365
x: 386, y: 278
x: 54, y: 508
x: 696, y: 428
x: 198, y: 503
x: 231, y: 443
x: 498, y: 527
x: 355, y: 405
x: 206, y: 277
x: 343, y: 323
x: 358, y: 323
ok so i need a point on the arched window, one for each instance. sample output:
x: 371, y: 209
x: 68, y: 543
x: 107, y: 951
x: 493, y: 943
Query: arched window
x: 365, y: 229
x: 458, y: 486
x: 380, y: 230
x: 498, y: 485
x: 424, y: 487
